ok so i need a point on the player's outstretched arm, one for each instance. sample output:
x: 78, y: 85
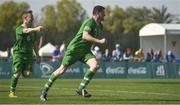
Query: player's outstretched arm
x: 86, y: 36
x: 36, y: 29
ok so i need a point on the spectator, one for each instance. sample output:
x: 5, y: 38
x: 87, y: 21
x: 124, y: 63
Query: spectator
x: 107, y: 55
x: 128, y: 56
x: 117, y: 53
x: 139, y: 55
x: 157, y: 56
x: 149, y: 55
x: 56, y: 54
x: 97, y: 52
x: 170, y: 57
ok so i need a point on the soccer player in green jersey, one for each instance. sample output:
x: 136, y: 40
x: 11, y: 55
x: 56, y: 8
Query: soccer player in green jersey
x: 79, y: 50
x: 23, y: 50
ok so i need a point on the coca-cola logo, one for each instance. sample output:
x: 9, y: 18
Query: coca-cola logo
x: 138, y: 70
x: 116, y: 70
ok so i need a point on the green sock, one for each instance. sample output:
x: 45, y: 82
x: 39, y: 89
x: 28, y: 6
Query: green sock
x: 87, y: 78
x: 50, y: 82
x: 14, y: 81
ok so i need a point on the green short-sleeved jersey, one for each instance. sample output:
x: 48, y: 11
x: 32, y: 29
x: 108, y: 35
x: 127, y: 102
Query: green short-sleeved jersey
x: 79, y: 49
x: 24, y: 41
x: 93, y: 28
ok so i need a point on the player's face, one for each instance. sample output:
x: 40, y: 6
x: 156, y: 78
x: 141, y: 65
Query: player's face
x: 29, y: 19
x: 101, y: 15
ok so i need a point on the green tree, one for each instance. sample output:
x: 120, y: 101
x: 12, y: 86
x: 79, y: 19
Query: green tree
x: 136, y: 18
x: 113, y: 27
x: 113, y: 20
x: 10, y: 13
x: 70, y: 15
x: 123, y: 25
x: 161, y: 15
x: 62, y: 20
x: 49, y: 18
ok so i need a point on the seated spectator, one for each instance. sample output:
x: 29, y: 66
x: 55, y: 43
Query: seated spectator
x: 56, y: 54
x: 117, y: 53
x: 170, y: 57
x: 139, y: 55
x: 149, y: 55
x: 128, y: 56
x: 107, y: 55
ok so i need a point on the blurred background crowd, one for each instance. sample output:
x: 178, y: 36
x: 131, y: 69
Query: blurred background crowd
x: 55, y: 53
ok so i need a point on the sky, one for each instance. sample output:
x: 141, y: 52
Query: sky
x: 172, y: 5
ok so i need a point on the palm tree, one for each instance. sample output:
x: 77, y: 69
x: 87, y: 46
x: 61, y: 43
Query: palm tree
x: 161, y: 15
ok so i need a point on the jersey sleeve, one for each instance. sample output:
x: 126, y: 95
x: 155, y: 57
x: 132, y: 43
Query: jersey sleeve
x: 88, y: 26
x: 19, y: 30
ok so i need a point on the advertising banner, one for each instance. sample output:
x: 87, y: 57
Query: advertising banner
x: 5, y: 70
x: 44, y: 69
x: 177, y: 70
x: 138, y: 70
x: 159, y: 70
x: 116, y: 69
x: 107, y: 70
x: 74, y: 71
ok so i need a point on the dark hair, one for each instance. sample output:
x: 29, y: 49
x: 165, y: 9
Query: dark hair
x: 27, y: 11
x: 24, y: 14
x: 98, y: 9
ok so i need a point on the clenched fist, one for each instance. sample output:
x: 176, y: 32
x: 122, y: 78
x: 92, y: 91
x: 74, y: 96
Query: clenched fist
x: 103, y: 41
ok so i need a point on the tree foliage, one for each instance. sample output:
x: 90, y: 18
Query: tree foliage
x: 62, y: 21
x: 161, y: 15
x: 124, y: 24
x: 136, y: 18
x: 10, y: 12
x: 114, y: 19
x: 66, y: 15
x: 49, y: 18
x: 70, y: 14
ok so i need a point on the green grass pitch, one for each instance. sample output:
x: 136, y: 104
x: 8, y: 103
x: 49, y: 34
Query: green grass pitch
x: 104, y: 91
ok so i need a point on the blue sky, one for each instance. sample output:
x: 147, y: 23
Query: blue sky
x: 173, y: 5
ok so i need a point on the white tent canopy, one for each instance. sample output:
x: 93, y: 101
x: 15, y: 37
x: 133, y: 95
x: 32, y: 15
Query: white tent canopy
x: 161, y: 36
x: 46, y: 50
x: 4, y: 54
